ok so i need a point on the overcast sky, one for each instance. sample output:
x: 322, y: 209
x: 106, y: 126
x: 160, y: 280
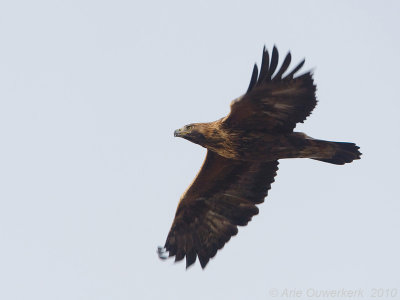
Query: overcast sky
x: 90, y: 173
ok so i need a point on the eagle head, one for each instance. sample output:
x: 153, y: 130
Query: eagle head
x: 192, y: 132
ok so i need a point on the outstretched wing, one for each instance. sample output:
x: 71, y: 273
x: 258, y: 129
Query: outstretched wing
x: 223, y: 196
x: 274, y: 103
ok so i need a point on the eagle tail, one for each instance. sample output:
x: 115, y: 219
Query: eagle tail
x: 340, y: 152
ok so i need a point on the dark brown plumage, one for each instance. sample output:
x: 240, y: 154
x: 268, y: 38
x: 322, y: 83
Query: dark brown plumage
x: 242, y: 159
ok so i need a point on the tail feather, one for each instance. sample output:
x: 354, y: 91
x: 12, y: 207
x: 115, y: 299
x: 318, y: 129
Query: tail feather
x: 342, y: 153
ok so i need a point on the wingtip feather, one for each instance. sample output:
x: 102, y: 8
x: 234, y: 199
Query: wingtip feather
x: 253, y: 79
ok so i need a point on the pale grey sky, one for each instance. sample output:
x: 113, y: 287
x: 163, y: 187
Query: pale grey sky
x: 90, y: 173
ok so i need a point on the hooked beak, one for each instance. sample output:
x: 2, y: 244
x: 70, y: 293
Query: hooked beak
x: 180, y: 132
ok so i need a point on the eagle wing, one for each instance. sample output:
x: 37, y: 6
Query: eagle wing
x: 274, y: 103
x: 223, y: 196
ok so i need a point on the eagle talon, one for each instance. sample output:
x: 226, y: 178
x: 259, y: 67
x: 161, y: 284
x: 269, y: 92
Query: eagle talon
x: 162, y: 252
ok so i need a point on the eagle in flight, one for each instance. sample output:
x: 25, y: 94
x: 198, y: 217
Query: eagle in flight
x: 243, y: 150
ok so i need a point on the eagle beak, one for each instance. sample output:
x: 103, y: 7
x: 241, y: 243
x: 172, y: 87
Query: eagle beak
x: 176, y: 132
x: 180, y: 132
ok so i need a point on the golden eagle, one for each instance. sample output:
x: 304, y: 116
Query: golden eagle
x: 243, y: 149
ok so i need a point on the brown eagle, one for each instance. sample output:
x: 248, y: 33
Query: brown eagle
x: 243, y: 150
